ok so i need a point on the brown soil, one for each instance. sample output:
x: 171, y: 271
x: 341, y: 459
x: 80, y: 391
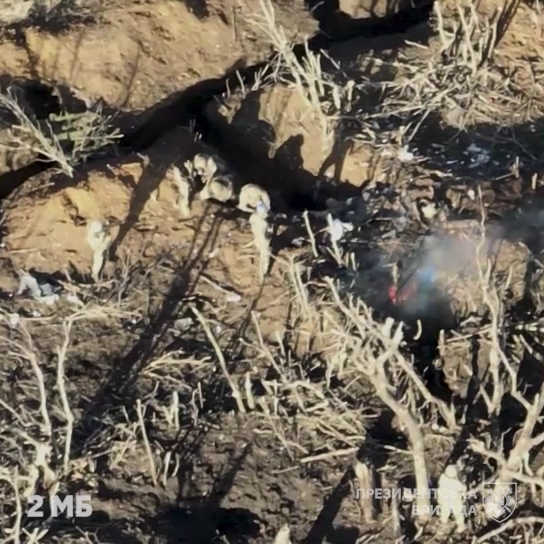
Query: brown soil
x: 219, y: 475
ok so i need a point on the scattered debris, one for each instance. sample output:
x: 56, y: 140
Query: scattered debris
x: 183, y: 324
x: 479, y: 157
x: 404, y: 155
x: 338, y: 229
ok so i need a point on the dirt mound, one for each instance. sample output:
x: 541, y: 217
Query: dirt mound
x: 137, y: 55
x: 55, y: 217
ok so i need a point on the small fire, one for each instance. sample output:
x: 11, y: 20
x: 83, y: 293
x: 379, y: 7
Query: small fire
x: 407, y: 292
x: 424, y: 277
x: 393, y: 294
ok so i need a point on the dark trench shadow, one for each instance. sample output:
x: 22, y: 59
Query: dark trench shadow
x: 335, y: 25
x: 199, y: 520
x: 187, y: 520
x: 322, y: 527
x: 181, y: 107
x: 199, y: 8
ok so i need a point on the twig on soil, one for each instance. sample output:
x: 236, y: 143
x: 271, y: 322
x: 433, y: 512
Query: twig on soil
x: 373, y: 365
x: 149, y: 453
x: 233, y: 386
x: 328, y: 455
x: 61, y: 359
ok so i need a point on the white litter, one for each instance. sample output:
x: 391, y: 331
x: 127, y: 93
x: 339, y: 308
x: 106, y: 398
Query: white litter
x: 183, y: 323
x: 337, y: 229
x: 479, y: 156
x: 404, y: 155
x: 74, y: 299
x: 14, y: 320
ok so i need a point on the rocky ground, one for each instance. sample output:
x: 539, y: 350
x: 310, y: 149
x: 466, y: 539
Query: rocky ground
x: 401, y: 149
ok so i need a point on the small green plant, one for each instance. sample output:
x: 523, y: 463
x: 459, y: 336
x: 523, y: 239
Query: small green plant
x: 68, y: 139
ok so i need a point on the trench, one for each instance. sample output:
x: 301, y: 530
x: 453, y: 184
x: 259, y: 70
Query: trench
x: 189, y: 105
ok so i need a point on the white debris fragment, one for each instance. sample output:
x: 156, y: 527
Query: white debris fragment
x: 74, y: 299
x: 233, y: 297
x: 479, y: 156
x: 183, y: 323
x: 471, y: 194
x: 337, y: 229
x: 404, y: 155
x: 14, y: 320
x: 427, y: 209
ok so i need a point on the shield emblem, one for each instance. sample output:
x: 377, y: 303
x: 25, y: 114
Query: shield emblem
x: 500, y: 500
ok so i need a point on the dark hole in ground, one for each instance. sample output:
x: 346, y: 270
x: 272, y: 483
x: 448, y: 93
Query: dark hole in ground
x: 301, y: 202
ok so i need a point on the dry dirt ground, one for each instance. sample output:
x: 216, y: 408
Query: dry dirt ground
x: 196, y: 402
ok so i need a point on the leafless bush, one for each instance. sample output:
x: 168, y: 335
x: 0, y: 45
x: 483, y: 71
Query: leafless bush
x: 36, y: 425
x: 458, y: 76
x: 66, y: 140
x: 318, y: 88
